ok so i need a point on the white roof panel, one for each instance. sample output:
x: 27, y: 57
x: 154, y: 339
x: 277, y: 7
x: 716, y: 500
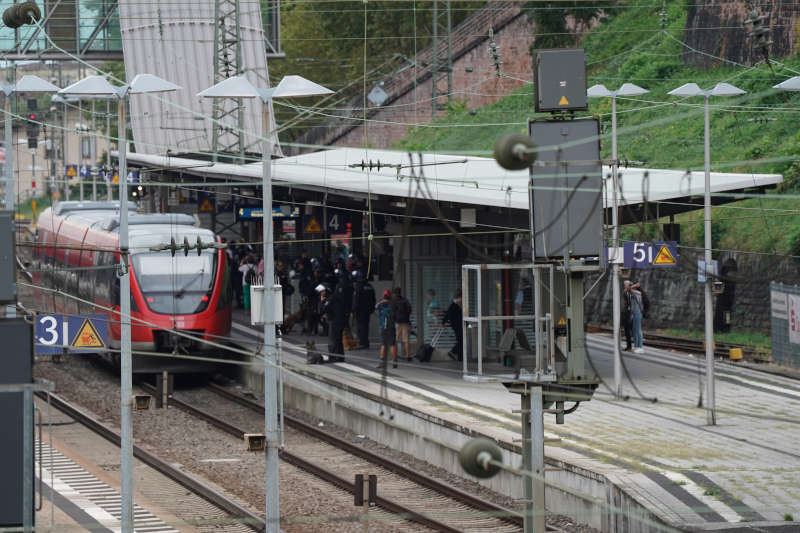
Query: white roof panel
x: 176, y: 42
x: 468, y: 180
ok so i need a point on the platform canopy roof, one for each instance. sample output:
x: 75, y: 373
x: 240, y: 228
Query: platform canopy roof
x: 478, y: 181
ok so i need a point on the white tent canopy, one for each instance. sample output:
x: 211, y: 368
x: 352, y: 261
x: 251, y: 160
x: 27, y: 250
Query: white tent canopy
x: 477, y: 181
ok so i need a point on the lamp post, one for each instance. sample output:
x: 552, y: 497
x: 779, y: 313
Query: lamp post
x: 720, y: 89
x: 93, y: 86
x: 289, y: 87
x: 600, y: 91
x: 26, y: 84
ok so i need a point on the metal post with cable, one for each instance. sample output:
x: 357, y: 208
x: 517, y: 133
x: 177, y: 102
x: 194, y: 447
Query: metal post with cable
x: 596, y: 91
x: 687, y: 90
x: 239, y: 87
x: 93, y: 86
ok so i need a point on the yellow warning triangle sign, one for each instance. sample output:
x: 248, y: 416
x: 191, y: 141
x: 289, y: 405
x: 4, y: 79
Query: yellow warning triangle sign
x: 664, y: 256
x: 71, y: 172
x: 562, y: 322
x: 206, y: 205
x: 115, y: 179
x: 87, y: 337
x: 563, y: 101
x: 313, y: 226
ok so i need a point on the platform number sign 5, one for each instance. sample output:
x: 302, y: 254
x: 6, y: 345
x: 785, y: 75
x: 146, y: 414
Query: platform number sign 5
x: 643, y: 253
x: 650, y: 254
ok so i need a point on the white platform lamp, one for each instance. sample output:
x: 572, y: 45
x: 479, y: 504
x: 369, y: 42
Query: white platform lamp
x: 600, y: 91
x: 289, y: 87
x: 26, y: 84
x: 720, y: 89
x: 98, y: 86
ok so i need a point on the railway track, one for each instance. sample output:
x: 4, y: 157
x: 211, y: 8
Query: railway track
x: 721, y: 349
x: 236, y: 511
x: 401, y: 489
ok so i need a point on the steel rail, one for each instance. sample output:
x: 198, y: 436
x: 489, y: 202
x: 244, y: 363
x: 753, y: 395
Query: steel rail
x: 217, y: 499
x: 317, y: 471
x: 678, y: 343
x: 466, y: 498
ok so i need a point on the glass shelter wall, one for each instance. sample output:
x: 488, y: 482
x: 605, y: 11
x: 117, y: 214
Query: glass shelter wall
x: 79, y: 27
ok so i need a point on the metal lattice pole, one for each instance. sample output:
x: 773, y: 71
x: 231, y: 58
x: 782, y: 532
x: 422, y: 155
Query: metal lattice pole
x: 228, y: 113
x: 442, y: 60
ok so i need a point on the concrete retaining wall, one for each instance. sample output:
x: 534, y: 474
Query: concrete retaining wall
x: 432, y: 439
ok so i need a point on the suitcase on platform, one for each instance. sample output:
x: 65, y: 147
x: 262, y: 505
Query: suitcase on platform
x: 425, y: 351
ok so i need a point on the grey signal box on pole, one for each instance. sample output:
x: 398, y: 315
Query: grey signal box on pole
x: 567, y: 189
x: 16, y: 367
x: 8, y: 271
x: 559, y: 80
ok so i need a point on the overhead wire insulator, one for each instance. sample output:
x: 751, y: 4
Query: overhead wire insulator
x: 21, y: 14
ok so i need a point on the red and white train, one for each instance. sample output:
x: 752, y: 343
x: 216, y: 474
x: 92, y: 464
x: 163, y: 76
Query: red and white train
x: 78, y: 253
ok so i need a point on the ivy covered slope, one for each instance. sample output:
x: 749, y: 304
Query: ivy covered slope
x: 667, y: 132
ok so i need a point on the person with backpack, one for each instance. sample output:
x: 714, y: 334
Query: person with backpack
x: 638, y: 312
x: 402, y: 321
x: 626, y: 313
x: 249, y: 271
x: 385, y: 309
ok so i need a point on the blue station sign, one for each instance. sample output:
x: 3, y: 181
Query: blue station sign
x: 248, y: 213
x: 650, y: 254
x: 76, y: 334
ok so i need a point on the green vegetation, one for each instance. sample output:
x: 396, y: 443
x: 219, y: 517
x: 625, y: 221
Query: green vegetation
x: 324, y: 41
x: 628, y: 46
x: 25, y: 209
x: 751, y: 339
x: 788, y: 517
x: 712, y: 492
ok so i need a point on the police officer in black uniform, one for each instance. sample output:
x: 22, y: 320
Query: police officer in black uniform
x: 334, y: 309
x: 363, y: 306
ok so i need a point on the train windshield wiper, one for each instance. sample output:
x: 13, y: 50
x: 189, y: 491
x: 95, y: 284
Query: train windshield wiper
x: 186, y: 286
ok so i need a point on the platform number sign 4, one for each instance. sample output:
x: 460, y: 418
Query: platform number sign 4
x: 333, y: 223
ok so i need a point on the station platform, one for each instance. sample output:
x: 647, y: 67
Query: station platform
x: 77, y: 473
x: 742, y: 474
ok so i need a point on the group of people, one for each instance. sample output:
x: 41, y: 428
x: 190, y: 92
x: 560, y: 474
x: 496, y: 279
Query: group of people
x: 634, y: 309
x: 334, y: 296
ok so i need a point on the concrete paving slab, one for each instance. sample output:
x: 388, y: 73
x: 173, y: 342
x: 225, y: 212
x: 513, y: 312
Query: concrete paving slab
x: 746, y: 468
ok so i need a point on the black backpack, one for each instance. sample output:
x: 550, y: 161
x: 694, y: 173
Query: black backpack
x: 250, y: 275
x: 402, y: 311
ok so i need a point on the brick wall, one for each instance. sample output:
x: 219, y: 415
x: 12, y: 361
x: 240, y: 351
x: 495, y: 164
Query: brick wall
x: 470, y: 47
x: 717, y: 27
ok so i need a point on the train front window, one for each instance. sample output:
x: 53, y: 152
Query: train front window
x: 177, y: 285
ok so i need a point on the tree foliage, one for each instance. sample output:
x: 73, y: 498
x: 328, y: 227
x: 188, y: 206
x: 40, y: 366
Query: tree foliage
x: 550, y: 20
x: 325, y: 40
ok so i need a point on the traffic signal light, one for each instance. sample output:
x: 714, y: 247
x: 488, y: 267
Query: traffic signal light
x: 32, y: 126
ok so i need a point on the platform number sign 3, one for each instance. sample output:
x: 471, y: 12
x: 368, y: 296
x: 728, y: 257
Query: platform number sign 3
x: 50, y: 326
x: 76, y: 334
